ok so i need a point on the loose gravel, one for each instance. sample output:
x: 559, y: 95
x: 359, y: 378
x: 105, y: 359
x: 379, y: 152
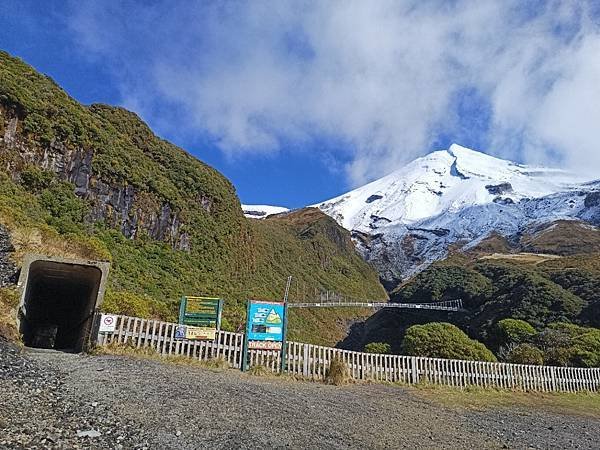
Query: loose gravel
x: 59, y: 400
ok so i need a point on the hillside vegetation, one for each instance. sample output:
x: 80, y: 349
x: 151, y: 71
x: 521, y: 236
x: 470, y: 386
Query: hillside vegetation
x: 556, y: 300
x: 95, y: 182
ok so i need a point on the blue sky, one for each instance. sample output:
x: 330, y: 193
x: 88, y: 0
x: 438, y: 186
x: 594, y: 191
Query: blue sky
x: 297, y: 102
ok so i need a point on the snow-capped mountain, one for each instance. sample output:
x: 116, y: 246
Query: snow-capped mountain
x: 441, y: 182
x: 408, y: 219
x: 262, y: 211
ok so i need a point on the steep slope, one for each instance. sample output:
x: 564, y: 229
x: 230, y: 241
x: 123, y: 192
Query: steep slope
x: 455, y: 198
x: 96, y: 182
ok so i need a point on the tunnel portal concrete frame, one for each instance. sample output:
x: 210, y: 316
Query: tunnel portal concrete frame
x: 58, y: 299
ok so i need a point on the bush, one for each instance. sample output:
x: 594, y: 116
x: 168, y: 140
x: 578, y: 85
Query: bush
x: 338, y: 372
x: 131, y: 304
x: 565, y: 344
x: 514, y: 331
x: 443, y: 340
x: 526, y: 354
x: 35, y: 179
x: 377, y: 347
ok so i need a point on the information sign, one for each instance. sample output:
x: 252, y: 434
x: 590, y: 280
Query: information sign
x: 108, y: 323
x: 265, y: 328
x: 265, y: 322
x: 201, y: 311
x: 195, y: 333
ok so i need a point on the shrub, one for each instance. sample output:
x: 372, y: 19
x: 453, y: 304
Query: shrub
x: 565, y: 344
x: 526, y: 354
x: 131, y: 304
x: 377, y: 347
x: 443, y: 340
x: 338, y: 372
x: 514, y: 331
x: 35, y: 179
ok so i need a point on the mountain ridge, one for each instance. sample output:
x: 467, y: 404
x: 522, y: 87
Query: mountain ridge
x: 457, y: 197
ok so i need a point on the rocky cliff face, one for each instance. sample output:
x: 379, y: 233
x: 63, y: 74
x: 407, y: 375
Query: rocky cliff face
x: 120, y: 205
x: 8, y: 270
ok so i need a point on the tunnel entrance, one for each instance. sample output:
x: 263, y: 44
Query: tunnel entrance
x: 58, y: 302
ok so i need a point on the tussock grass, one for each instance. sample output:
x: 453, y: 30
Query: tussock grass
x: 337, y: 373
x: 9, y: 301
x: 259, y: 371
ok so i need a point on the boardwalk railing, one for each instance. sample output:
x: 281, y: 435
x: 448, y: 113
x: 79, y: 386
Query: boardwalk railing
x: 312, y: 361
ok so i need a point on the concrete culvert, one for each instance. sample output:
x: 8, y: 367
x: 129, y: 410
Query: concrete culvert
x: 58, y: 301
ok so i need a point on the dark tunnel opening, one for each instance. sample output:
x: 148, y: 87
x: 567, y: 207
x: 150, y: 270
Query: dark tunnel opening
x: 59, y: 303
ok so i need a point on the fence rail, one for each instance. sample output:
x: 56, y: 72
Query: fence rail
x: 451, y: 305
x: 312, y: 361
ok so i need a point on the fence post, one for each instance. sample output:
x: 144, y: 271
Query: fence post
x: 415, y: 372
x: 305, y: 359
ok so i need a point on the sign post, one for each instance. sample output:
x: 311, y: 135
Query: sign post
x: 284, y: 344
x: 245, y: 349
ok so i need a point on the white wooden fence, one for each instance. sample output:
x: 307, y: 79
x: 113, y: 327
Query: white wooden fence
x: 312, y: 361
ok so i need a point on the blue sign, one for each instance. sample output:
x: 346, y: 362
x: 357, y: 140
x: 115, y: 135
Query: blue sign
x: 265, y: 321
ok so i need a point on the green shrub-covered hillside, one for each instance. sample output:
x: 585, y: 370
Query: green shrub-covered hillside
x: 523, y: 307
x: 94, y: 181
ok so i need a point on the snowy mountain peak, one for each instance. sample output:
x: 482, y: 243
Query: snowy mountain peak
x: 408, y: 219
x: 442, y: 181
x: 262, y: 211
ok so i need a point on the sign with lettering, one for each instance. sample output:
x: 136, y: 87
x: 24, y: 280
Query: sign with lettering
x: 200, y: 333
x: 265, y: 322
x: 201, y: 311
x: 195, y: 333
x: 264, y: 345
x: 265, y: 328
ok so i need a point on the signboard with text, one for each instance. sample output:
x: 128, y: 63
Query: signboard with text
x: 265, y: 322
x: 264, y: 345
x: 201, y: 311
x: 195, y: 333
x: 265, y: 328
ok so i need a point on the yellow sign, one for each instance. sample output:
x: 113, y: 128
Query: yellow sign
x: 200, y: 333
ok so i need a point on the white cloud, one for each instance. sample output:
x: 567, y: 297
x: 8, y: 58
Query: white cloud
x: 380, y: 77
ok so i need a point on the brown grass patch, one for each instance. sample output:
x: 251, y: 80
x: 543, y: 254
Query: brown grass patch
x: 338, y: 372
x: 9, y: 301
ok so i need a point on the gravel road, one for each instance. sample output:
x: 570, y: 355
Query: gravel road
x: 47, y: 398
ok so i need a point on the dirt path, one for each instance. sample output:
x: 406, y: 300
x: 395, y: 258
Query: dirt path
x: 142, y: 403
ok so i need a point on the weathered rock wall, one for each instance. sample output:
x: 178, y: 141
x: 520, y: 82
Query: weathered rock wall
x: 119, y: 205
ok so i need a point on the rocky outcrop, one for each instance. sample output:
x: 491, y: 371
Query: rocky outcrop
x: 8, y: 270
x: 120, y: 205
x: 499, y: 189
x: 592, y: 200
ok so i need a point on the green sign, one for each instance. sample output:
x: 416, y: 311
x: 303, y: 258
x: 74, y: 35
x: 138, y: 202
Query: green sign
x: 201, y: 311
